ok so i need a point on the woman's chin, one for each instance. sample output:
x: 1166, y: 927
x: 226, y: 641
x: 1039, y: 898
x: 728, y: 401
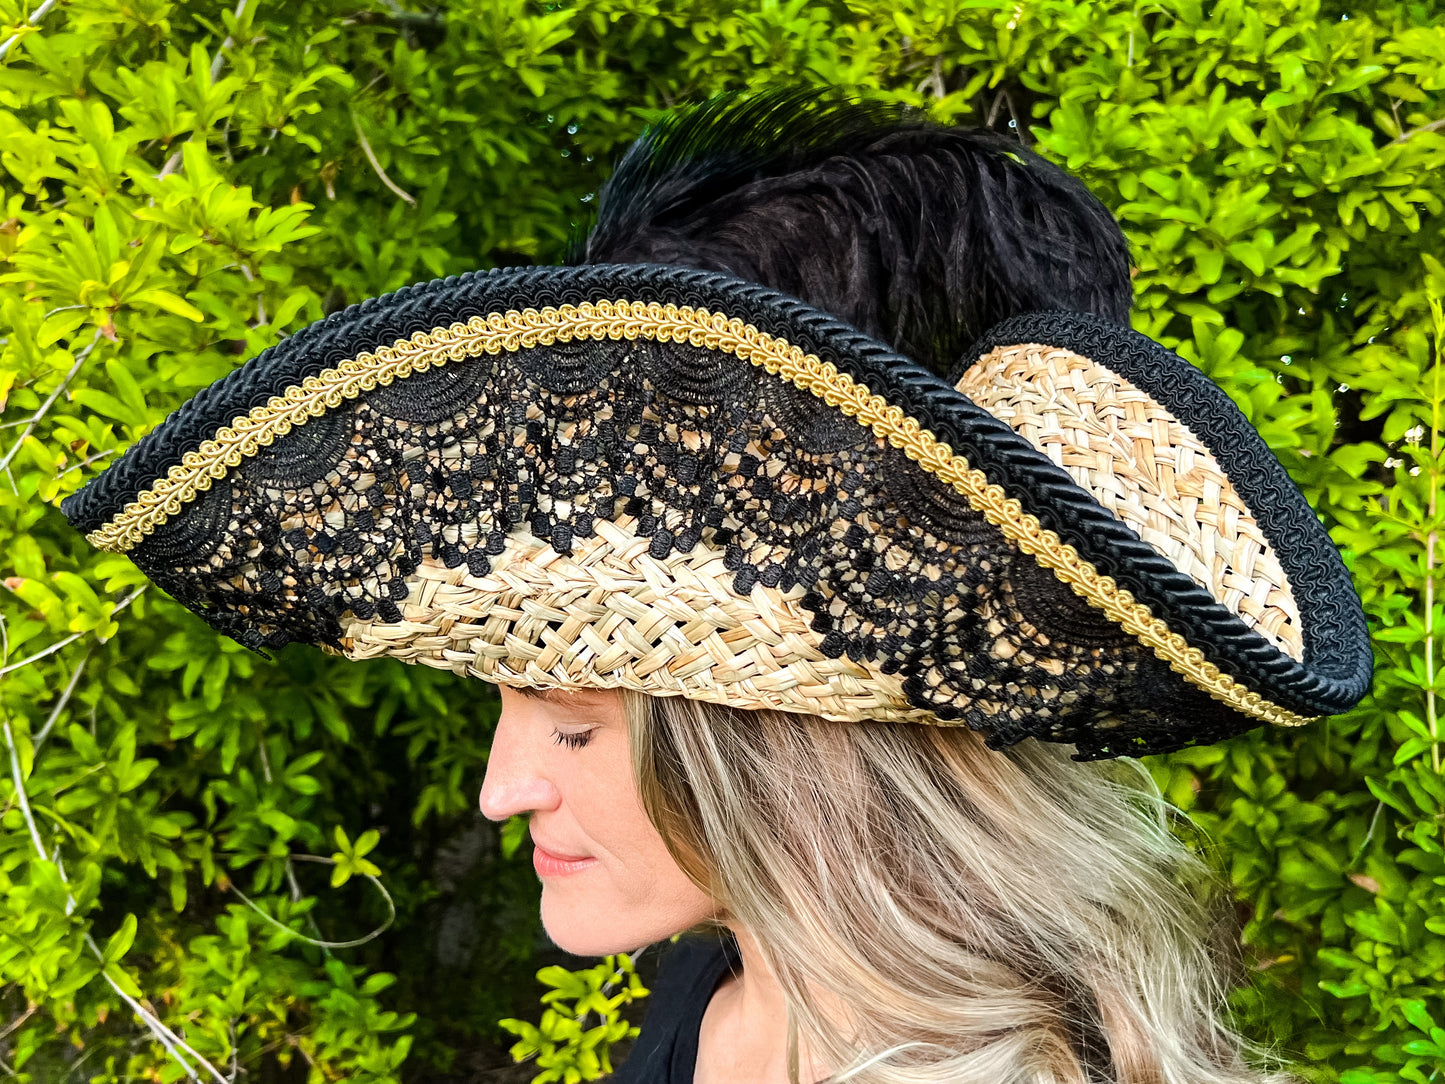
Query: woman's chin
x: 583, y: 931
x: 594, y: 928
x: 579, y: 940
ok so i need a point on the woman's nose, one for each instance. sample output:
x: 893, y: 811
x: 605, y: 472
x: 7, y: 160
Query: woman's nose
x: 514, y: 781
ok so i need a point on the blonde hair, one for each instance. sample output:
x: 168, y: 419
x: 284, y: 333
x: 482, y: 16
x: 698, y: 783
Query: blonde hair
x: 1008, y: 917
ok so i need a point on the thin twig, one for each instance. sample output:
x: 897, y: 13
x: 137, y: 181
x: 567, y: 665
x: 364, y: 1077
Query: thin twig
x: 993, y: 110
x: 87, y: 461
x: 296, y: 894
x: 1433, y: 126
x: 375, y: 165
x: 170, y: 167
x: 1013, y: 114
x: 20, y: 795
x: 53, y: 648
x: 1369, y: 834
x: 173, y: 1043
x: 35, y: 17
x: 934, y: 80
x: 174, y: 161
x: 44, y: 732
x: 15, y: 1024
x: 44, y: 407
x: 317, y: 942
x: 413, y: 18
x: 1432, y: 720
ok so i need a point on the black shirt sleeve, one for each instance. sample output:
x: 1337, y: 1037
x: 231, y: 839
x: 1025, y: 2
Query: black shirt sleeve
x: 666, y: 1050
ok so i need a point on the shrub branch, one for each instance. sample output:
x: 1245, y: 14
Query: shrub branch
x: 44, y: 408
x: 172, y: 1042
x: 35, y: 17
x: 53, y: 648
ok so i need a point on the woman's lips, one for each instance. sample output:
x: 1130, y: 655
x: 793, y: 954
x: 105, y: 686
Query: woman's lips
x: 548, y: 864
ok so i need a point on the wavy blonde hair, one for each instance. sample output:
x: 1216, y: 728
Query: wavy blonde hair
x: 1008, y: 917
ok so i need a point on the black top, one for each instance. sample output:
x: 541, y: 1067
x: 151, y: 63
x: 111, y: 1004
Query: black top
x: 666, y: 1051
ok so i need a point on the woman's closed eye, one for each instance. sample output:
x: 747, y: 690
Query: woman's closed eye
x: 572, y: 741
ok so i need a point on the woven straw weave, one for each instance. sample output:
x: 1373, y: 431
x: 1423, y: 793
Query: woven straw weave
x: 1148, y: 469
x: 611, y: 616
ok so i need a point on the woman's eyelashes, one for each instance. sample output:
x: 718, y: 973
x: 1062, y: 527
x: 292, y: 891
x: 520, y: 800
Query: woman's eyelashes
x: 572, y: 741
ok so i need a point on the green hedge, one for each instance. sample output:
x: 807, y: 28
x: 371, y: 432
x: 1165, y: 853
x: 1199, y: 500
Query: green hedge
x: 181, y: 185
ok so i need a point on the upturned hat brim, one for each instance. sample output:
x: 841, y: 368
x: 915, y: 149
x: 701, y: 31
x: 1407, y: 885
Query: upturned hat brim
x: 672, y: 480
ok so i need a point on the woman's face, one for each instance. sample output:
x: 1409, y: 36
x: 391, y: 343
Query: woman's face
x: 608, y: 882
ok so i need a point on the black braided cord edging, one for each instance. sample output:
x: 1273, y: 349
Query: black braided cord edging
x: 1336, y: 636
x: 1336, y: 668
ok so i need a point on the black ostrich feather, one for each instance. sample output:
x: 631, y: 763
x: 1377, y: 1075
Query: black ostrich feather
x: 921, y: 235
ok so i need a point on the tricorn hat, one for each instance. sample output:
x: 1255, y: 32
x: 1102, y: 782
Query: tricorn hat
x: 677, y: 481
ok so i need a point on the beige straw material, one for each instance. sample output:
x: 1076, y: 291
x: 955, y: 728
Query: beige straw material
x: 1147, y: 468
x: 609, y: 615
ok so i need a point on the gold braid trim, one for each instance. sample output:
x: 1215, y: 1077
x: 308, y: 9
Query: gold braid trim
x: 515, y: 330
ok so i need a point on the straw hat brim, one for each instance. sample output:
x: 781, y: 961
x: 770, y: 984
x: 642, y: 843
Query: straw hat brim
x: 1004, y: 477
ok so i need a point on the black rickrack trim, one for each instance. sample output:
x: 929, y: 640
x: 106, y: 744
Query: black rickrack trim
x: 1330, y: 681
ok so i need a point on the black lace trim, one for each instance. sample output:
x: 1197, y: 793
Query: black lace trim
x: 1331, y: 680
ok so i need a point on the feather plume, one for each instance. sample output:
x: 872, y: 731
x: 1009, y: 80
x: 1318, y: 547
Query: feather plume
x: 921, y: 235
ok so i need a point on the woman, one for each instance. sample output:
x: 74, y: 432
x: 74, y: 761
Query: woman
x: 776, y: 611
x: 991, y: 916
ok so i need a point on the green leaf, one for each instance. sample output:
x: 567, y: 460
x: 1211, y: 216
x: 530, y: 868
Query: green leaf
x: 1209, y: 263
x: 169, y: 302
x: 514, y: 831
x: 106, y: 404
x: 122, y: 979
x: 60, y: 325
x: 82, y: 742
x: 120, y: 941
